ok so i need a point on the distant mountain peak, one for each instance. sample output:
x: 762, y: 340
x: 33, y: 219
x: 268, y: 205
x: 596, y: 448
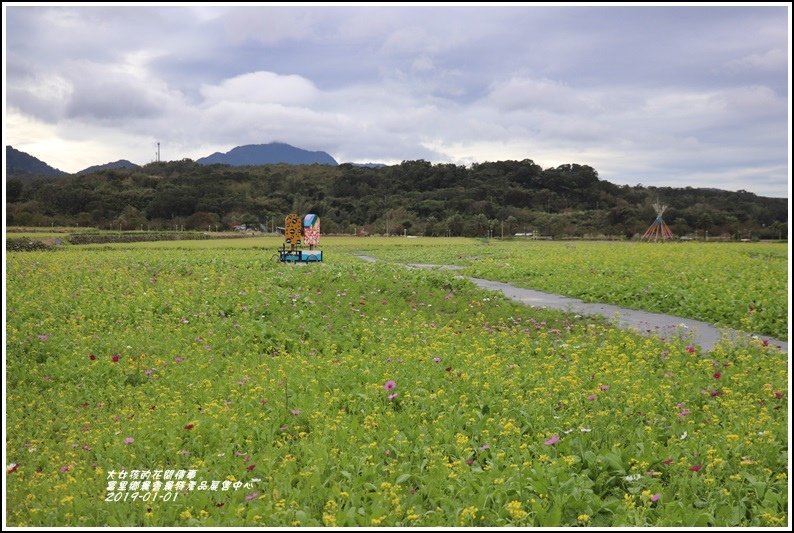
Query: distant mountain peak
x: 21, y: 163
x: 268, y: 154
x: 121, y: 163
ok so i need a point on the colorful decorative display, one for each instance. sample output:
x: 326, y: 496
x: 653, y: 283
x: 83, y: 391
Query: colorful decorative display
x: 311, y: 230
x: 292, y: 230
x: 658, y: 229
x: 296, y: 232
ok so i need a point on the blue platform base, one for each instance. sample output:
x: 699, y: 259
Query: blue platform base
x: 300, y: 256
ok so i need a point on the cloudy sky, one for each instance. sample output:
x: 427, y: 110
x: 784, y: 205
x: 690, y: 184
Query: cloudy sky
x: 670, y: 96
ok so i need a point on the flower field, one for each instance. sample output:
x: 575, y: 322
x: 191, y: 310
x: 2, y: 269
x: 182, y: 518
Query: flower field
x: 737, y: 285
x: 204, y: 384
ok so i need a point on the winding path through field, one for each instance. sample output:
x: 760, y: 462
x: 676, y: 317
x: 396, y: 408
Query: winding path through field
x: 702, y: 333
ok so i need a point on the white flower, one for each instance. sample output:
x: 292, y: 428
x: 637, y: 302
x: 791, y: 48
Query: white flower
x: 585, y: 430
x: 567, y: 431
x: 633, y: 477
x: 684, y: 435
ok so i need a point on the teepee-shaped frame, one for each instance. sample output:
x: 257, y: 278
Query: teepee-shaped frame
x: 658, y: 229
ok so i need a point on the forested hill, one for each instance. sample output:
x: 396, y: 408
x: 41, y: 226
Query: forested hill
x: 27, y: 167
x: 415, y: 197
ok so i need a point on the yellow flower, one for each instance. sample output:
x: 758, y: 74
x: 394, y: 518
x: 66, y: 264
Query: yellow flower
x: 583, y: 518
x: 515, y: 510
x: 628, y: 501
x: 329, y: 520
x: 469, y: 513
x: 185, y: 515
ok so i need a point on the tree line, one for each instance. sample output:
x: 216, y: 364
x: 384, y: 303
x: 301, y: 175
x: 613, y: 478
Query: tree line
x: 414, y: 197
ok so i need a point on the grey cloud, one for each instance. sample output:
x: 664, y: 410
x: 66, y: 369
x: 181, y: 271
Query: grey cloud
x: 640, y: 93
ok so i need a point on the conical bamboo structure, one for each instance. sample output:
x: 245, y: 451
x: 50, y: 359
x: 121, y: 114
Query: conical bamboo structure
x: 658, y: 230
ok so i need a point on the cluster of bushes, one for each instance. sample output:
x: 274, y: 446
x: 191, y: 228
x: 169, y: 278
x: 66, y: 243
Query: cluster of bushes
x: 104, y: 238
x: 26, y: 245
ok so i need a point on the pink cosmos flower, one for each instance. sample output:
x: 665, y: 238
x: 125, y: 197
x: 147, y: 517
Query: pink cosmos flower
x: 552, y: 440
x: 656, y: 497
x: 392, y: 396
x: 115, y: 358
x: 695, y: 468
x: 43, y: 338
x: 667, y: 461
x: 251, y: 496
x: 604, y: 387
x: 389, y: 385
x: 436, y: 359
x: 178, y: 359
x: 592, y: 397
x: 690, y: 349
x: 13, y: 467
x: 717, y: 375
x: 295, y: 412
x: 129, y: 440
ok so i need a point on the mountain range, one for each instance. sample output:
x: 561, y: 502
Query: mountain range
x: 27, y: 167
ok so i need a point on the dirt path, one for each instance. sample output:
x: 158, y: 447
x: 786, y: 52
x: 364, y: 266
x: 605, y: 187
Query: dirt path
x: 665, y: 326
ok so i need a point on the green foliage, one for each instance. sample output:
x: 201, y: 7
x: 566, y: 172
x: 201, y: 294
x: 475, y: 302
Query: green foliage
x: 502, y: 197
x: 737, y: 285
x: 210, y: 356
